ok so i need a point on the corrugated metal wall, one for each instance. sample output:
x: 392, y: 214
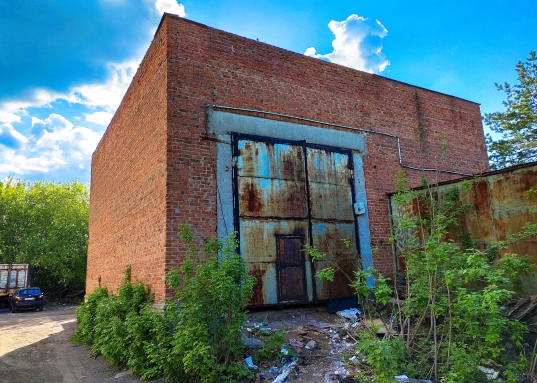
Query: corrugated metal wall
x: 499, y: 208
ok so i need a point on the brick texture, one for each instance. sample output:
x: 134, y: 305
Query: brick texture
x: 128, y: 182
x: 154, y: 171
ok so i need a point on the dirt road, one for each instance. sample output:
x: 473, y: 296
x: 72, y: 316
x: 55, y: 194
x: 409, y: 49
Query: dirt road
x: 34, y: 347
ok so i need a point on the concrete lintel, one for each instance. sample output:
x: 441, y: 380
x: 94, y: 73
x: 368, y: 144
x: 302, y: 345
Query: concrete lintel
x: 222, y: 123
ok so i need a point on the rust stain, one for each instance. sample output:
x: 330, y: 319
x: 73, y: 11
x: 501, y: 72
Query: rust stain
x: 250, y: 198
x: 498, y: 210
x: 275, y: 217
x: 258, y: 271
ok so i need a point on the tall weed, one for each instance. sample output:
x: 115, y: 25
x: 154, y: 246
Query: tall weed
x: 452, y: 320
x: 212, y: 290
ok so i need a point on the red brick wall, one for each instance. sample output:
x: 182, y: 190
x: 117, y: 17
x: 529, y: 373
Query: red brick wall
x: 128, y: 182
x: 209, y: 66
x: 154, y: 171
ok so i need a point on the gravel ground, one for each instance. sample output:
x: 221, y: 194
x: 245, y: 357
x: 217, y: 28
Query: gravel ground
x: 34, y: 347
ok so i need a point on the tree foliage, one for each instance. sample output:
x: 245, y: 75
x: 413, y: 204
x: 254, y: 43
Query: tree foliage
x: 46, y: 225
x: 518, y: 124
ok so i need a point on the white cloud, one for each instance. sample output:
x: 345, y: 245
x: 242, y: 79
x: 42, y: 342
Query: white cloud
x: 357, y: 44
x: 10, y: 138
x: 57, y: 133
x: 54, y: 148
x: 52, y: 144
x: 8, y: 117
x: 108, y: 94
x: 105, y: 95
x: 170, y: 6
x: 101, y: 118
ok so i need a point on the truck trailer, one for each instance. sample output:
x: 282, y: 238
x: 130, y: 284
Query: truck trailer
x: 12, y: 278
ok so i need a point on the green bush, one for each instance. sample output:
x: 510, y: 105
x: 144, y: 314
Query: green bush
x: 212, y: 290
x: 195, y: 338
x: 452, y: 320
x: 85, y: 315
x: 120, y: 327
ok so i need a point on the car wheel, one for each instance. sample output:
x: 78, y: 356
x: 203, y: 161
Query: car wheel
x: 40, y: 308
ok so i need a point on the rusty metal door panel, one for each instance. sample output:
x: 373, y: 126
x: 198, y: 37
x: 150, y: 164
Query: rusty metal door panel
x: 498, y: 209
x: 259, y: 249
x: 272, y: 202
x: 328, y: 239
x: 270, y: 160
x: 265, y: 292
x: 284, y: 190
x: 339, y: 288
x: 261, y: 197
x: 481, y: 220
x: 507, y: 197
x: 258, y: 237
x: 331, y: 202
x: 328, y: 166
x: 332, y: 216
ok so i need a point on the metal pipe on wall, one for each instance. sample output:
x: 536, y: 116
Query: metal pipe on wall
x: 343, y: 127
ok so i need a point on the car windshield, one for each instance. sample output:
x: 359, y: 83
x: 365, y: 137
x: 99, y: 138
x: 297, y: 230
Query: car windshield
x: 30, y: 291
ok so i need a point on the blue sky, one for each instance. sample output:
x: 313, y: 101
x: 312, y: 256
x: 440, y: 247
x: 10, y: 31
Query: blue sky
x: 65, y: 65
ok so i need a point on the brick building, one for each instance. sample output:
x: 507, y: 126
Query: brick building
x: 226, y: 133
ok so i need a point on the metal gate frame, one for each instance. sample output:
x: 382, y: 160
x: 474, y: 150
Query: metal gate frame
x: 236, y: 137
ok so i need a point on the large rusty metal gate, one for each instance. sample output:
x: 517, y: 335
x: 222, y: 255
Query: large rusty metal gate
x: 289, y: 194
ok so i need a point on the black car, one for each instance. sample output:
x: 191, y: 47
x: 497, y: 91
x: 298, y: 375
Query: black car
x: 29, y: 298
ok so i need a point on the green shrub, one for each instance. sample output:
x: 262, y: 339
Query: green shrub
x: 195, y: 338
x: 212, y: 291
x: 272, y: 347
x: 452, y: 321
x: 85, y: 315
x: 387, y: 357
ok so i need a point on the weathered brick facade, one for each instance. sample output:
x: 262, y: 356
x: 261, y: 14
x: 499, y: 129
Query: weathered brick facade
x: 155, y: 166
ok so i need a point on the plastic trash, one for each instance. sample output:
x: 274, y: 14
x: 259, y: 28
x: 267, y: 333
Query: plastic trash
x: 270, y: 373
x: 287, y: 359
x: 252, y: 343
x: 310, y: 345
x: 285, y: 372
x: 329, y: 378
x: 295, y: 343
x: 404, y: 378
x: 331, y: 358
x: 490, y: 373
x: 250, y: 363
x: 351, y: 314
